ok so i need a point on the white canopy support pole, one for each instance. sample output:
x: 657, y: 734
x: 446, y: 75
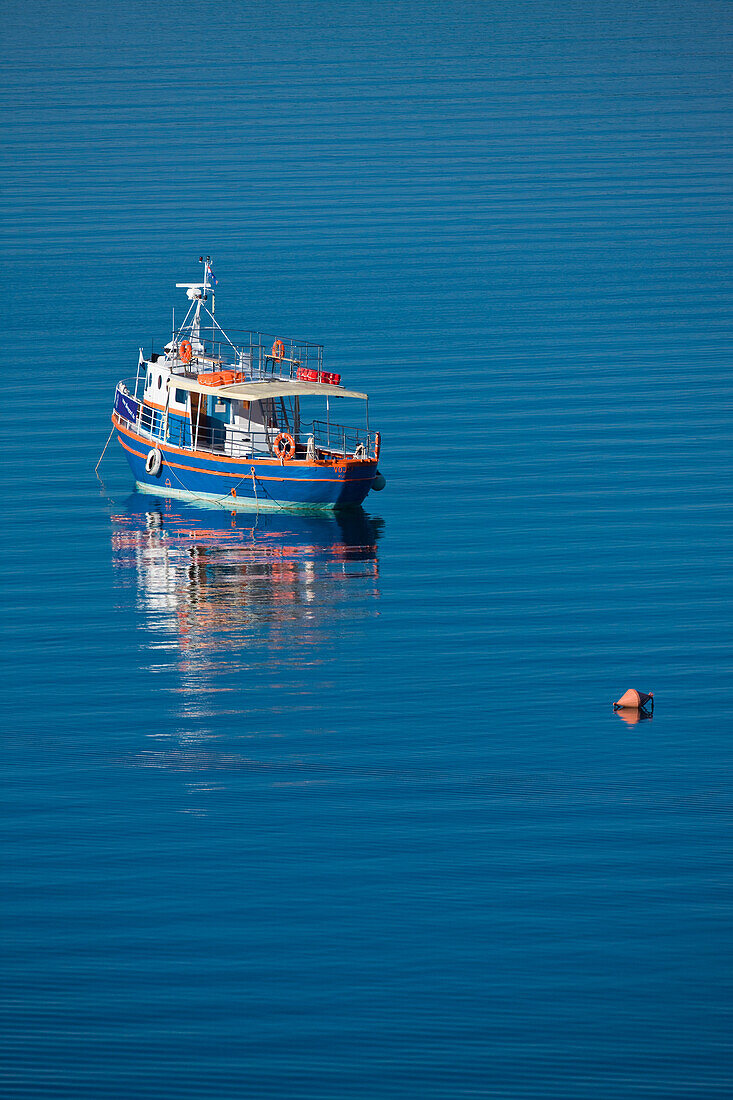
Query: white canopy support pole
x: 165, y: 414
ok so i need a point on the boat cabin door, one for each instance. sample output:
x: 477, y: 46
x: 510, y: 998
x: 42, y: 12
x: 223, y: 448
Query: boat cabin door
x: 209, y: 416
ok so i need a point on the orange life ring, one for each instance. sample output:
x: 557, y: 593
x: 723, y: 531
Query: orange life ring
x: 278, y: 350
x: 185, y: 351
x: 284, y: 445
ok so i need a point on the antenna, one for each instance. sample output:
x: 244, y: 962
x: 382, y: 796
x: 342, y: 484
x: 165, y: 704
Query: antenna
x: 213, y: 298
x: 207, y: 288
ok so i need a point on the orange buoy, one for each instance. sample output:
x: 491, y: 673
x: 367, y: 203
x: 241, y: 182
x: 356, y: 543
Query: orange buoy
x: 185, y: 351
x: 278, y: 350
x: 635, y: 699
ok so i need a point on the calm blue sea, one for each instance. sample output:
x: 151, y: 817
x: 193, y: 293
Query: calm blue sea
x: 319, y: 807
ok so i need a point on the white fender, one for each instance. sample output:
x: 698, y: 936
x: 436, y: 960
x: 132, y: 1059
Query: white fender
x: 153, y: 462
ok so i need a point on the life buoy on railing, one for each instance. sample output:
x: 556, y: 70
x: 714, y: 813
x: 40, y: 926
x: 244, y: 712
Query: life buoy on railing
x: 185, y: 351
x: 284, y: 445
x: 153, y: 462
x: 278, y: 350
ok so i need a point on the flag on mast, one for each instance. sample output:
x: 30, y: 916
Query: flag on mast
x: 211, y: 276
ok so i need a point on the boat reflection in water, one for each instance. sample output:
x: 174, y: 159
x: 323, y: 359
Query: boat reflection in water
x: 211, y: 579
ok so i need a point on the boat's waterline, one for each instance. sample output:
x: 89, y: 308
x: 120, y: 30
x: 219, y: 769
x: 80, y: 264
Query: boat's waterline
x: 236, y: 504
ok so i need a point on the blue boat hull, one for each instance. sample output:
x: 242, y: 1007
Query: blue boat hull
x: 246, y: 483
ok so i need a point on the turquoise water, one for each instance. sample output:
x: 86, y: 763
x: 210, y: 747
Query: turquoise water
x: 326, y: 807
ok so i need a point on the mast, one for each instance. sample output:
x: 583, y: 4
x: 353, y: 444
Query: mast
x: 197, y: 293
x: 207, y: 271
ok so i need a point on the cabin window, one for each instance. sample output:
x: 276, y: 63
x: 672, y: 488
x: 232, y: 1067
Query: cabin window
x: 149, y: 379
x: 180, y: 397
x: 160, y: 380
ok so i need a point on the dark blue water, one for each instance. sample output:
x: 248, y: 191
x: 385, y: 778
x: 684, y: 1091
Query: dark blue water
x: 317, y: 808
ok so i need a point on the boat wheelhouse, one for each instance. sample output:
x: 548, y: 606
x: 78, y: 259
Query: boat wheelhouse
x: 210, y: 419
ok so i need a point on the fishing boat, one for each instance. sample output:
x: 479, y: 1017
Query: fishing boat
x: 210, y: 419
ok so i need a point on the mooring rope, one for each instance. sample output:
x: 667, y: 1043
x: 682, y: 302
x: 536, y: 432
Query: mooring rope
x: 208, y: 500
x: 232, y: 492
x: 216, y: 500
x: 104, y: 450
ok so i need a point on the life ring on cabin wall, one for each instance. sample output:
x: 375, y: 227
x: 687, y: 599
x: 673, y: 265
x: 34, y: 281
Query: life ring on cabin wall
x: 284, y: 445
x: 185, y: 351
x: 153, y: 462
x: 278, y: 350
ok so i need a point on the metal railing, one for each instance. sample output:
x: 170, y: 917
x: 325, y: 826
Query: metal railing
x: 319, y: 438
x: 258, y: 355
x: 338, y: 439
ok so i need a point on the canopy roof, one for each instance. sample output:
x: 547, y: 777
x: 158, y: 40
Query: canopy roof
x: 262, y: 391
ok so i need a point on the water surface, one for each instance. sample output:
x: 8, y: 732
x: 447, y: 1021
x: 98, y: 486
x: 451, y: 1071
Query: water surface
x: 320, y: 807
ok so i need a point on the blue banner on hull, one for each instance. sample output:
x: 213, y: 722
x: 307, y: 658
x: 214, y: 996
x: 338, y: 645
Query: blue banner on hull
x: 126, y: 406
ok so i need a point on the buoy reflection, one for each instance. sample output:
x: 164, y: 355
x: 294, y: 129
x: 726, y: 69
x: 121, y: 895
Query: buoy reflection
x: 632, y: 715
